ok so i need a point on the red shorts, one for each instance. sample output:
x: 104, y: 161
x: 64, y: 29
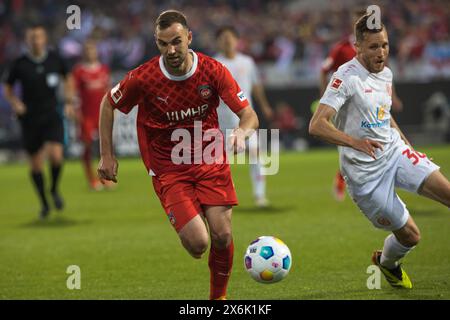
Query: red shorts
x: 182, y: 194
x: 88, y: 130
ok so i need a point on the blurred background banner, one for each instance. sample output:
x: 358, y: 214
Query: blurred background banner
x: 289, y: 40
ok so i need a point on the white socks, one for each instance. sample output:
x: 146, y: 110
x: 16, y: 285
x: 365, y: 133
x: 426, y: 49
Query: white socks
x: 258, y: 181
x: 393, y: 251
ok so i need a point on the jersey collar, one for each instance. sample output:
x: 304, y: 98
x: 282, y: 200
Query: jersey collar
x: 184, y: 76
x: 37, y: 60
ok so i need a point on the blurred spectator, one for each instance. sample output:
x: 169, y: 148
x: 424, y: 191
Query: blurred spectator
x: 272, y: 31
x: 287, y: 122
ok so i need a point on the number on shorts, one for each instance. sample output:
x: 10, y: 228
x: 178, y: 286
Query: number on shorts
x: 414, y: 155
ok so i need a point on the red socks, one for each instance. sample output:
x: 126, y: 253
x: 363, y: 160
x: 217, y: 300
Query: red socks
x: 220, y: 263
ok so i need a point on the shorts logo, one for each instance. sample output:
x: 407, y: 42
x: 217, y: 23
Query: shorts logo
x: 383, y: 221
x: 205, y: 91
x: 241, y: 96
x: 336, y: 83
x: 172, y: 218
x: 116, y: 94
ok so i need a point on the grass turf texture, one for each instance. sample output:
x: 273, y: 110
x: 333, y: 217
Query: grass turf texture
x: 127, y: 249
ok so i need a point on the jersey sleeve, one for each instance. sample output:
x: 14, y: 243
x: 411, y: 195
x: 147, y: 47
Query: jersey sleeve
x: 126, y: 94
x: 338, y: 91
x: 229, y: 90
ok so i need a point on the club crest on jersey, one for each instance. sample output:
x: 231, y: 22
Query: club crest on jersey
x: 171, y: 217
x: 205, y: 91
x: 336, y: 83
x: 241, y: 96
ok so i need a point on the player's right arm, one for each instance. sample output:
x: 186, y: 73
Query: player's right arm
x: 321, y: 127
x: 108, y: 165
x: 124, y: 96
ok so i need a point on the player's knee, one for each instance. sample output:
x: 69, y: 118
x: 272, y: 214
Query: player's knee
x: 197, y: 247
x: 221, y: 239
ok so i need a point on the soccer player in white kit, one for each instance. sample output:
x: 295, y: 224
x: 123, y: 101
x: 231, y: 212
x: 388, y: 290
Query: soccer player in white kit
x: 244, y: 71
x: 375, y: 156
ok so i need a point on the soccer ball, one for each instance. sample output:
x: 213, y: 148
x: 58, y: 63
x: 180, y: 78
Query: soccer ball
x: 268, y: 259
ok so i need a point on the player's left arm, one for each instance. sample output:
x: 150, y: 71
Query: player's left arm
x: 396, y: 127
x: 248, y: 123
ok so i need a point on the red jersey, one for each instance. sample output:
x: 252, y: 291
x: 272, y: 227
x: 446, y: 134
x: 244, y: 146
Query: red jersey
x: 342, y: 52
x: 167, y: 102
x: 92, y: 84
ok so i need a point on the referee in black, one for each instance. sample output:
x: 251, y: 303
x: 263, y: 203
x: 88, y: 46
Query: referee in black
x: 39, y: 71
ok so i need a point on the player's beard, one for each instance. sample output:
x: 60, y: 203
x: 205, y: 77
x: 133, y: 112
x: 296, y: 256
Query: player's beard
x: 175, y: 62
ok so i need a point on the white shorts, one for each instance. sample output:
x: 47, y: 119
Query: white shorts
x: 378, y: 200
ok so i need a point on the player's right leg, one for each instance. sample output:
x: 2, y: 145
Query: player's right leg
x: 396, y: 246
x: 194, y: 237
x: 382, y: 206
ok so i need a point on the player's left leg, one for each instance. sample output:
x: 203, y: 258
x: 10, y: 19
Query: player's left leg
x: 222, y: 249
x: 436, y: 187
x: 55, y: 152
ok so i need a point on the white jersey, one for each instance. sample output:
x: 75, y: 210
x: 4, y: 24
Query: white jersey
x: 243, y: 69
x: 363, y: 104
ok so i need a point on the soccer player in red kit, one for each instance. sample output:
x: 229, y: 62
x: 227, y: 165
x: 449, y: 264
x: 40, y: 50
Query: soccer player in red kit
x: 177, y: 91
x: 92, y: 81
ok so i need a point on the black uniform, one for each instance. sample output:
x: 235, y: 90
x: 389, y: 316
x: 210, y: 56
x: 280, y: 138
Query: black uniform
x: 39, y: 80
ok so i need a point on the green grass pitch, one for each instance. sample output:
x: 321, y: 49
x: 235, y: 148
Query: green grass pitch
x: 127, y: 249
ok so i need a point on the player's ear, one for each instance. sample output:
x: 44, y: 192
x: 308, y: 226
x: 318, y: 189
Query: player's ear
x: 189, y: 37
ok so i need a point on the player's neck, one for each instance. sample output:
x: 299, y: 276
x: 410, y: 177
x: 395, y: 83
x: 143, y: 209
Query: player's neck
x: 92, y: 64
x: 37, y: 55
x: 361, y: 62
x: 184, y: 68
x: 230, y: 54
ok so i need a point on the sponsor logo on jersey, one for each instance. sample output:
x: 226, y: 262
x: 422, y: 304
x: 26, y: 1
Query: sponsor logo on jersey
x: 165, y: 100
x: 241, y: 96
x: 116, y: 94
x: 188, y: 113
x: 381, y: 113
x: 381, y: 121
x: 205, y: 91
x: 336, y: 83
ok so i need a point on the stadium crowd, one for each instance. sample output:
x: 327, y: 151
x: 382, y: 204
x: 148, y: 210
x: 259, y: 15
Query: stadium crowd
x: 271, y: 31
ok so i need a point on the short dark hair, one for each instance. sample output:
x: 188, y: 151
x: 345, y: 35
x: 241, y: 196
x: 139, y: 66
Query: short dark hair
x: 361, y: 28
x: 228, y: 28
x: 35, y: 25
x: 169, y: 17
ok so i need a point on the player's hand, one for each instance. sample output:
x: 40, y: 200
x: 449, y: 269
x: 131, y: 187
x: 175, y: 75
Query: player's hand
x: 19, y: 108
x: 107, y: 168
x: 237, y: 140
x: 367, y: 146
